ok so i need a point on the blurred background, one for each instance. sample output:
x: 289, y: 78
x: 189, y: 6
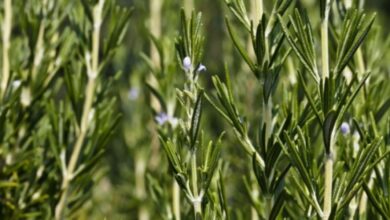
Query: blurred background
x: 134, y: 161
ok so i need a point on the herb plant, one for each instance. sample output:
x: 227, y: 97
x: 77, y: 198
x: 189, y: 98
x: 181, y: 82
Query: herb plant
x: 230, y: 109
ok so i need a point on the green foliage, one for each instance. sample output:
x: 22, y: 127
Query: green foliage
x: 44, y: 112
x: 231, y: 109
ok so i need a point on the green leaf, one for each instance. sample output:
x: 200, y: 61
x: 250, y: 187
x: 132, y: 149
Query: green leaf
x: 219, y: 110
x: 87, y: 10
x: 270, y: 82
x: 328, y: 130
x: 260, y: 175
x: 241, y: 50
x: 228, y: 83
x: 355, y: 29
x: 382, y: 110
x: 222, y: 195
x: 260, y: 41
x: 196, y: 118
x: 296, y: 159
x: 303, y: 46
x: 212, y: 159
x: 374, y: 201
x: 362, y: 163
x: 173, y: 156
x: 328, y: 95
x: 278, y: 183
x: 227, y: 103
x: 313, y: 105
x: 239, y: 10
x: 278, y: 205
x: 345, y: 104
x: 158, y: 95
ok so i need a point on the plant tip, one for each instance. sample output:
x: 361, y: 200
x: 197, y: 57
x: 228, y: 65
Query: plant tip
x: 345, y: 129
x: 187, y: 63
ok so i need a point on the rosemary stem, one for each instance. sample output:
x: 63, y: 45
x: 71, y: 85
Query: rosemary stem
x: 92, y: 68
x: 255, y: 194
x: 268, y: 206
x: 194, y: 177
x: 7, y: 24
x: 140, y: 167
x: 188, y: 6
x: 257, y: 12
x: 39, y: 50
x: 328, y: 187
x: 176, y: 200
x: 155, y: 28
x: 327, y: 206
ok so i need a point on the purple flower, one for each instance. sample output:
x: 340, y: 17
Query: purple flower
x: 162, y: 118
x: 345, y: 128
x: 201, y: 68
x: 133, y: 94
x: 187, y: 65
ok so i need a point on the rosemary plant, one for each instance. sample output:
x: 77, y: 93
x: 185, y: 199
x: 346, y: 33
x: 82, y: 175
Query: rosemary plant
x: 56, y: 114
x: 185, y: 143
x: 229, y: 109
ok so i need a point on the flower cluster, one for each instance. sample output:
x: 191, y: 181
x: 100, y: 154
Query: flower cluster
x: 187, y: 66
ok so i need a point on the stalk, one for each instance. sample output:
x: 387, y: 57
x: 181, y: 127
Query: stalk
x: 257, y: 10
x: 155, y: 28
x: 255, y: 193
x: 92, y: 68
x: 268, y: 206
x: 188, y: 6
x: 176, y: 200
x: 196, y: 202
x: 328, y: 186
x: 39, y: 50
x: 327, y: 206
x: 140, y: 166
x: 254, y: 215
x: 7, y: 25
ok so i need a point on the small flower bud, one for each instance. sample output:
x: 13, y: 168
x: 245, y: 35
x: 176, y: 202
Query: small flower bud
x: 345, y: 128
x: 187, y: 65
x: 133, y: 94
